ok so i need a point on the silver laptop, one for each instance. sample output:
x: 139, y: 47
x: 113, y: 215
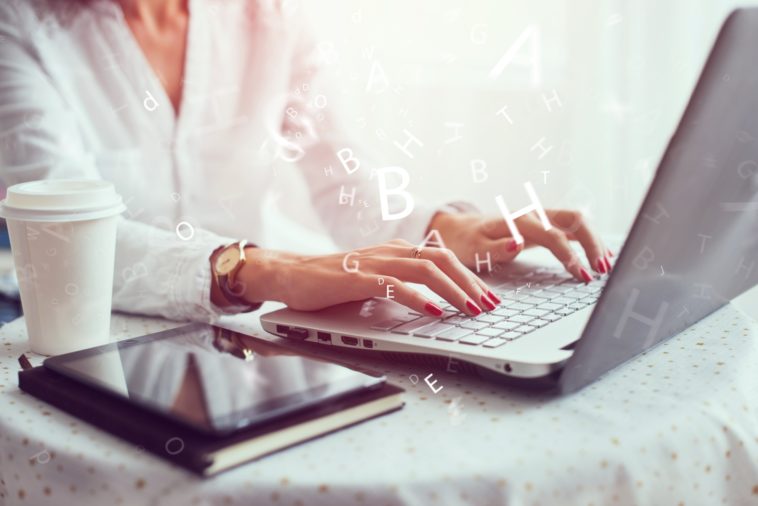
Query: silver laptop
x: 692, y: 248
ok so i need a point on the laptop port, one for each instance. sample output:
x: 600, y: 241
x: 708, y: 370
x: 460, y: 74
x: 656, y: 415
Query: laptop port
x: 368, y: 343
x: 350, y: 341
x: 282, y: 329
x: 297, y: 333
x: 324, y: 337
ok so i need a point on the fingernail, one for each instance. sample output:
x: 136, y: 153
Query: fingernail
x: 585, y: 275
x: 473, y: 307
x: 487, y: 303
x: 512, y: 246
x: 608, y: 264
x: 610, y: 253
x: 494, y: 297
x: 433, y: 309
x: 601, y: 265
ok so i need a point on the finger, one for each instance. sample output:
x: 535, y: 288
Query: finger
x: 450, y: 265
x: 390, y: 287
x: 572, y: 223
x: 557, y: 242
x: 425, y: 272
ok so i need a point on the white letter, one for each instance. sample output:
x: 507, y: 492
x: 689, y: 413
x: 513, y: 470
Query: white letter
x: 345, y: 156
x: 534, y: 61
x: 377, y: 73
x: 399, y: 191
x: 437, y: 242
x: 478, y: 171
x: 411, y: 139
x: 510, y: 217
x: 150, y: 103
x: 356, y: 264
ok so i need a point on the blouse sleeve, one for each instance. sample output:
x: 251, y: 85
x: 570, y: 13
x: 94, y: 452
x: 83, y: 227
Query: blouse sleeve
x: 156, y: 272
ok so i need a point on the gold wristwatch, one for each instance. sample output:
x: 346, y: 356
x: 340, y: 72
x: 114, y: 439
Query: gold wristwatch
x: 226, y: 263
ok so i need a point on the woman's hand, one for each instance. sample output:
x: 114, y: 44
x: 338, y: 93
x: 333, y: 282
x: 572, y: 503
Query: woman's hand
x: 470, y: 234
x: 315, y: 282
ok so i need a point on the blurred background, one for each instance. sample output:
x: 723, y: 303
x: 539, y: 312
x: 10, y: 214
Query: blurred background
x: 592, y: 91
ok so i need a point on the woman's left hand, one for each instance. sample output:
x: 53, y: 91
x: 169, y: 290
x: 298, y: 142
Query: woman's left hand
x: 472, y: 235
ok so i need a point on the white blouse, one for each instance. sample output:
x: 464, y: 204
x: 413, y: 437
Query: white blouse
x: 79, y: 99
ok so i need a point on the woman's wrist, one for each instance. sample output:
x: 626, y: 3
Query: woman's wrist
x: 263, y: 275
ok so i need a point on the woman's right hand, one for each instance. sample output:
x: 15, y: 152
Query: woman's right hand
x: 315, y: 282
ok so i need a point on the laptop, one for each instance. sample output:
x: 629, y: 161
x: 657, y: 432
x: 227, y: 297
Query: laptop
x: 692, y: 248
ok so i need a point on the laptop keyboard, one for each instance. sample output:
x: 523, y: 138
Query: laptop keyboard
x: 529, y: 301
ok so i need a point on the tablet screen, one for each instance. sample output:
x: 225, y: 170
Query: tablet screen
x: 210, y: 378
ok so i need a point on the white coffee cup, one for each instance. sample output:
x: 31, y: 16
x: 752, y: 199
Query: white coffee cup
x: 63, y: 239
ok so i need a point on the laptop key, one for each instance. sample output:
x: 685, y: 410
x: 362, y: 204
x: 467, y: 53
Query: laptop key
x: 489, y: 318
x: 536, y: 312
x: 510, y: 336
x: 505, y: 313
x: 533, y: 301
x: 539, y: 322
x: 453, y: 334
x: 525, y: 329
x: 506, y: 325
x: 494, y: 343
x: 517, y: 306
x: 549, y: 306
x: 490, y: 332
x: 563, y: 311
x: 456, y: 319
x: 474, y: 339
x: 574, y: 294
x: 521, y: 318
x: 474, y: 325
x: 577, y: 305
x: 409, y: 327
x: 386, y: 325
x: 432, y: 329
x: 551, y: 317
x: 564, y: 301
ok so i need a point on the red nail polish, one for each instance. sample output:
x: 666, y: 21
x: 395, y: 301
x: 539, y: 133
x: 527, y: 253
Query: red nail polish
x: 601, y: 265
x: 473, y: 308
x: 608, y: 264
x: 512, y: 246
x: 433, y: 309
x: 585, y: 275
x: 487, y: 303
x: 494, y: 297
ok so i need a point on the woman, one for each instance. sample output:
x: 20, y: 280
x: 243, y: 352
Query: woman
x: 184, y: 104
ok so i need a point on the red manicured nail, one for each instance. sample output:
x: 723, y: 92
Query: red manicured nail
x: 601, y: 265
x: 487, y: 303
x: 473, y: 307
x: 608, y: 265
x: 494, y: 297
x: 433, y: 309
x: 585, y: 275
x: 512, y: 246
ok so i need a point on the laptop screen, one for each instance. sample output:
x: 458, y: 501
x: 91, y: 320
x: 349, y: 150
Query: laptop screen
x: 694, y: 243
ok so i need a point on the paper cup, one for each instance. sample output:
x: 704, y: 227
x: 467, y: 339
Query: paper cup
x: 63, y: 239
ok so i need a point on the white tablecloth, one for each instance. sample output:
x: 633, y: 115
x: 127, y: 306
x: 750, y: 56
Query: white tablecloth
x: 678, y: 425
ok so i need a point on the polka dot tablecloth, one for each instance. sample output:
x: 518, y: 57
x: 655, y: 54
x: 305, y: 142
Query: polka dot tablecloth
x: 678, y: 425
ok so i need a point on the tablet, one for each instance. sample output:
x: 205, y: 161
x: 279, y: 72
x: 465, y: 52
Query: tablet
x: 211, y: 379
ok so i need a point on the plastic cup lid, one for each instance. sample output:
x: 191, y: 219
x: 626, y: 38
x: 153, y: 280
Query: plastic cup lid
x: 61, y: 200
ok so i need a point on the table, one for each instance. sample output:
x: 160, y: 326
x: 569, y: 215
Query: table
x: 678, y: 425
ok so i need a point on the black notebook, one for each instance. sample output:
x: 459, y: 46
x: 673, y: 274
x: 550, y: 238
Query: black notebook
x: 206, y: 398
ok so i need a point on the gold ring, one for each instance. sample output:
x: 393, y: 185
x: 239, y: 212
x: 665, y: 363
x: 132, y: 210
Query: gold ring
x: 416, y: 252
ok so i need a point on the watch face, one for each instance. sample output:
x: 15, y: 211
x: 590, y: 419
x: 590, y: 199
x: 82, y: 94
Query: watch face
x: 227, y: 260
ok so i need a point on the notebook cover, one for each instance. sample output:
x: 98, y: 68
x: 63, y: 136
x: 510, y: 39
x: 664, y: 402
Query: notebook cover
x: 157, y: 434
